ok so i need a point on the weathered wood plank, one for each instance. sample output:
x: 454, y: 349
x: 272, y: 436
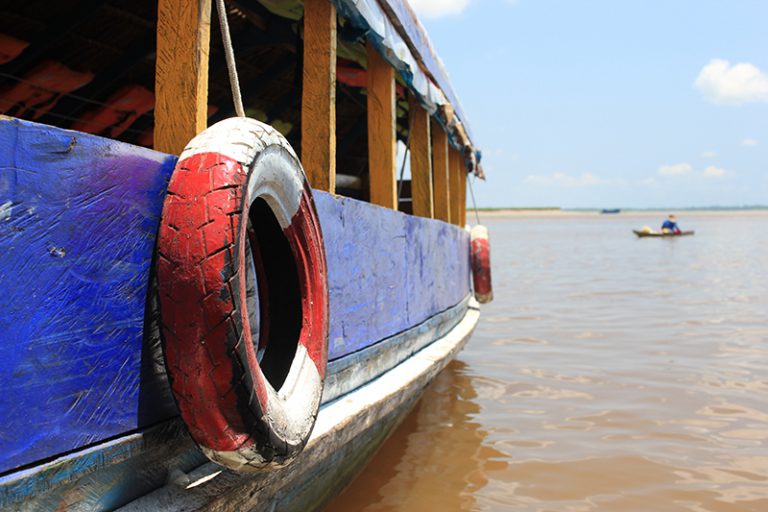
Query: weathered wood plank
x: 381, y: 130
x: 181, y: 72
x: 455, y: 176
x: 80, y: 216
x: 440, y: 172
x: 387, y: 271
x: 421, y: 160
x: 318, y: 102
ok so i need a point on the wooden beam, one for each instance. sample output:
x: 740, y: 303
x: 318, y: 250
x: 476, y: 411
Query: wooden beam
x: 318, y: 101
x: 181, y: 72
x: 381, y: 130
x: 440, y: 172
x: 455, y: 173
x: 421, y: 160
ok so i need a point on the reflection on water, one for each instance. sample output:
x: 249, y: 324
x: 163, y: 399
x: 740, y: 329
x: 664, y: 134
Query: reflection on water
x: 611, y: 373
x: 438, y: 439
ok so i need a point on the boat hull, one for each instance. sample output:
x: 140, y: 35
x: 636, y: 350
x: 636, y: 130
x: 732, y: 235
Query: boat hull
x: 656, y: 234
x: 89, y: 420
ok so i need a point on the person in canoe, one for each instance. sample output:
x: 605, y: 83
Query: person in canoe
x: 670, y: 225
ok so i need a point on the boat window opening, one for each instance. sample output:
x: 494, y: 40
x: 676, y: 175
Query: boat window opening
x: 279, y: 295
x: 402, y: 150
x: 90, y: 69
x: 94, y: 71
x: 351, y: 113
x: 267, y: 50
x: 351, y: 129
x: 403, y: 161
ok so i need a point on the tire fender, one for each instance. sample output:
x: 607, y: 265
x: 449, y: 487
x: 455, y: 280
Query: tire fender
x: 481, y: 264
x: 208, y: 254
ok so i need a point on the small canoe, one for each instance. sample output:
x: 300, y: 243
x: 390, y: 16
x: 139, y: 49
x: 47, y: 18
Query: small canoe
x: 659, y: 234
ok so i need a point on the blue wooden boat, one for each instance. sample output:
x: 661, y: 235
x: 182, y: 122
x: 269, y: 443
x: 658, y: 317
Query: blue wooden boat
x: 185, y: 324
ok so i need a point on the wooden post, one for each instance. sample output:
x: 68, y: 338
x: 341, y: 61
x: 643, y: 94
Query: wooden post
x: 318, y: 102
x: 440, y: 172
x: 381, y: 130
x: 421, y: 160
x: 456, y: 173
x: 181, y: 72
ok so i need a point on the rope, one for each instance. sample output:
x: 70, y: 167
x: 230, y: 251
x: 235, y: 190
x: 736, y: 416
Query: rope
x: 474, y: 204
x: 229, y: 53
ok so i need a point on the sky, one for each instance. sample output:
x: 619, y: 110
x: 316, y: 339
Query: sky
x: 611, y: 103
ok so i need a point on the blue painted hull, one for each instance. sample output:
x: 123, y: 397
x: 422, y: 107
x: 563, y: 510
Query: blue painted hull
x: 79, y: 358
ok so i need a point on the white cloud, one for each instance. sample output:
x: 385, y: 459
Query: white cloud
x: 709, y: 154
x: 438, y: 8
x: 714, y: 172
x: 560, y: 179
x: 749, y: 142
x: 723, y: 83
x: 675, y: 169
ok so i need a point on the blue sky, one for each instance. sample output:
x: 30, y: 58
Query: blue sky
x: 605, y: 103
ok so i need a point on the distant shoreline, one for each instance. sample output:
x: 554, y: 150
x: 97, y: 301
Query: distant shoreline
x: 557, y: 212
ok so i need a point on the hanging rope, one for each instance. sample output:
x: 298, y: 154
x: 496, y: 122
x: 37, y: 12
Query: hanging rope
x: 474, y: 204
x: 229, y: 53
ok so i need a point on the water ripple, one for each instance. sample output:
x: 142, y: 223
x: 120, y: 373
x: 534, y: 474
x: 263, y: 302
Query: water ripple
x: 610, y: 374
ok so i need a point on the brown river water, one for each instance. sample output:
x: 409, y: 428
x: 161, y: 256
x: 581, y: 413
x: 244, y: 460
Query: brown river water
x: 610, y: 373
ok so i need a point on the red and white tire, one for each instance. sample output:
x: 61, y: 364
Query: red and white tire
x: 205, y: 241
x: 481, y: 264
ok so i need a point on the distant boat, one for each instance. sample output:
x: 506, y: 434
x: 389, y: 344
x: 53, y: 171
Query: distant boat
x: 610, y: 210
x: 659, y: 234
